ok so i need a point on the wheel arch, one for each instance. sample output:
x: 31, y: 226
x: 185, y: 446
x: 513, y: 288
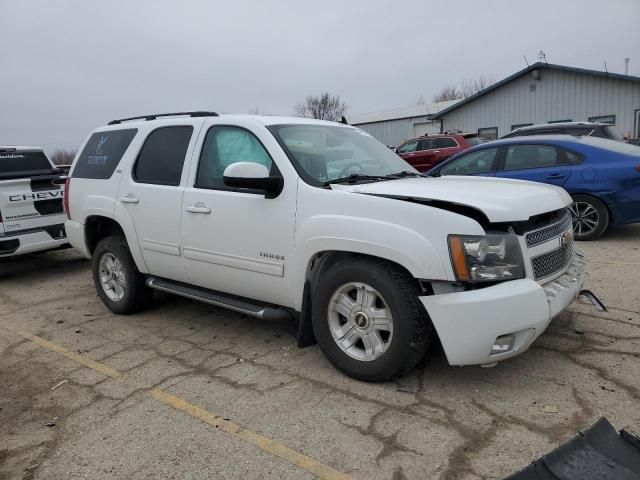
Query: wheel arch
x: 597, y: 197
x: 319, y: 263
x: 98, y: 227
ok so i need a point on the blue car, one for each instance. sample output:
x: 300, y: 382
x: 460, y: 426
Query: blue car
x: 602, y: 176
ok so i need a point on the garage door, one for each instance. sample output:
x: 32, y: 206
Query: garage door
x: 420, y: 129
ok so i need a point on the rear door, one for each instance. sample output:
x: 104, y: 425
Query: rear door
x: 444, y: 147
x: 538, y: 163
x: 152, y: 194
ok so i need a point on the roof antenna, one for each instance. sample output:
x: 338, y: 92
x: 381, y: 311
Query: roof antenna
x: 344, y: 120
x: 525, y: 60
x: 542, y: 57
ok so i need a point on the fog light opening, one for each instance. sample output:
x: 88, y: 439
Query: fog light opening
x: 503, y: 344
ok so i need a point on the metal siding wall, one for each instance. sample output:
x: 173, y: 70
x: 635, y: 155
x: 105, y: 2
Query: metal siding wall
x: 558, y: 96
x: 392, y: 132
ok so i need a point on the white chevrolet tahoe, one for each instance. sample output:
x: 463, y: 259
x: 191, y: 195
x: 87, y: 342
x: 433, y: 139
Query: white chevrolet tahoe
x: 31, y: 195
x: 296, y: 218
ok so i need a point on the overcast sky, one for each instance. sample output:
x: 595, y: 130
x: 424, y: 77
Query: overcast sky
x: 67, y: 67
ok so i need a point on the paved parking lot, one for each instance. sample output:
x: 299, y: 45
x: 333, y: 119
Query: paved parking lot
x: 186, y: 390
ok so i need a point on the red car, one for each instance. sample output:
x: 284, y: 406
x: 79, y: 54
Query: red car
x: 425, y: 152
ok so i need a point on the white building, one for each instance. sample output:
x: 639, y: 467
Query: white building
x: 394, y: 126
x: 546, y: 93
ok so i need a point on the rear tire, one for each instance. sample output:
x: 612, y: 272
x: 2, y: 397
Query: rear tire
x: 590, y: 217
x: 350, y: 304
x: 118, y: 282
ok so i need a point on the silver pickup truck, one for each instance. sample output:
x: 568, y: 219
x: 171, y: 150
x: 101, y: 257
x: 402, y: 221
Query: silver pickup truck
x: 31, y: 202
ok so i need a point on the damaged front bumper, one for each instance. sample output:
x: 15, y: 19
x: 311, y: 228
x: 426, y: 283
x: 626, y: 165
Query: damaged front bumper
x: 494, y: 323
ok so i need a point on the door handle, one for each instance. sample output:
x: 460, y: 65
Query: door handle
x: 199, y: 208
x: 556, y: 175
x: 436, y: 151
x: 130, y: 198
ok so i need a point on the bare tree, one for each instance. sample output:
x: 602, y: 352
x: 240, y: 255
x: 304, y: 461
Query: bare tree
x: 450, y: 92
x: 472, y: 86
x: 63, y: 157
x: 253, y: 111
x: 321, y: 107
x: 421, y: 100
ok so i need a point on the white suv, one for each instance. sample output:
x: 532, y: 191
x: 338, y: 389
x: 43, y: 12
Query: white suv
x: 317, y: 221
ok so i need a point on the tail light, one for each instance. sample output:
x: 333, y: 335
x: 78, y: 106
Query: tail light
x: 637, y: 167
x: 65, y: 199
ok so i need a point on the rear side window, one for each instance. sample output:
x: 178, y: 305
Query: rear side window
x: 102, y: 153
x: 426, y: 144
x: 18, y: 163
x: 444, y: 142
x: 520, y: 157
x: 162, y: 156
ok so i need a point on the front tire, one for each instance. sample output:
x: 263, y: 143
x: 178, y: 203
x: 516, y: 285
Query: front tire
x: 590, y: 217
x: 118, y: 282
x: 369, y: 321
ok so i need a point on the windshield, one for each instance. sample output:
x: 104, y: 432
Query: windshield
x: 613, y: 133
x: 322, y: 153
x: 474, y: 140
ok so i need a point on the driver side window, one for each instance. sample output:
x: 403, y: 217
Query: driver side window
x: 223, y: 146
x: 408, y: 147
x: 481, y: 161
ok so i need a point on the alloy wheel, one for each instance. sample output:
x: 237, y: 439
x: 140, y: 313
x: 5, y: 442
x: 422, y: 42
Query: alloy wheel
x: 585, y: 218
x: 360, y: 321
x: 112, y: 277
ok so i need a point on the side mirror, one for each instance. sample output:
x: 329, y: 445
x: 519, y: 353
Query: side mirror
x: 253, y: 176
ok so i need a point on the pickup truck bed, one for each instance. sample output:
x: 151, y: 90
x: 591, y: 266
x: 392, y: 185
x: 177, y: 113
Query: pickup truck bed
x: 31, y: 210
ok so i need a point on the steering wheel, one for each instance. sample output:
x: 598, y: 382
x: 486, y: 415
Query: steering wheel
x: 346, y: 170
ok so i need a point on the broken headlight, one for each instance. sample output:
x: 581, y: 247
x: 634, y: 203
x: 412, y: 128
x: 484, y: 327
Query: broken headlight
x: 486, y: 258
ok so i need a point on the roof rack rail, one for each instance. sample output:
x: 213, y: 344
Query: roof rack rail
x: 157, y: 115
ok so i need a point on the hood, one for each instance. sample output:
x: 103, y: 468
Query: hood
x: 500, y: 199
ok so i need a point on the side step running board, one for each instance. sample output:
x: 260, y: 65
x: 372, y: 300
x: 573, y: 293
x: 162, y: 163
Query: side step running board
x: 224, y: 300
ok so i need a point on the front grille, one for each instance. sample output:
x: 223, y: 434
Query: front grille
x: 551, y: 262
x: 550, y: 231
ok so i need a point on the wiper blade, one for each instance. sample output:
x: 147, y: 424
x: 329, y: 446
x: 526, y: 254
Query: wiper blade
x: 404, y: 174
x: 354, y: 177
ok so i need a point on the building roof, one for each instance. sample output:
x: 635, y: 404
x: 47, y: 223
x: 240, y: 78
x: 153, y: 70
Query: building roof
x: 410, y: 111
x: 535, y: 66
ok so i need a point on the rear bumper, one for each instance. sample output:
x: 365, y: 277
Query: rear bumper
x: 468, y: 323
x: 32, y: 241
x: 75, y: 234
x: 625, y: 212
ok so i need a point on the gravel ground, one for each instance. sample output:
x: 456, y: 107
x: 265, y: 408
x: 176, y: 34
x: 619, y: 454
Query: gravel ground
x: 186, y: 390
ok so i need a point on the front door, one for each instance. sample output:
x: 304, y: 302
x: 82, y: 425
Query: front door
x: 236, y: 240
x: 152, y: 195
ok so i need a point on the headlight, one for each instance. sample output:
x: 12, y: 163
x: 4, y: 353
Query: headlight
x: 488, y: 258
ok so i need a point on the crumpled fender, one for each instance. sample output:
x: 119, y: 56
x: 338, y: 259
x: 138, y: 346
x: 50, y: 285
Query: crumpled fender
x: 381, y: 239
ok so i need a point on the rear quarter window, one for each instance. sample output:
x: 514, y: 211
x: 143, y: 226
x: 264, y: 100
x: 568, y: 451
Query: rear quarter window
x: 18, y: 163
x: 102, y: 153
